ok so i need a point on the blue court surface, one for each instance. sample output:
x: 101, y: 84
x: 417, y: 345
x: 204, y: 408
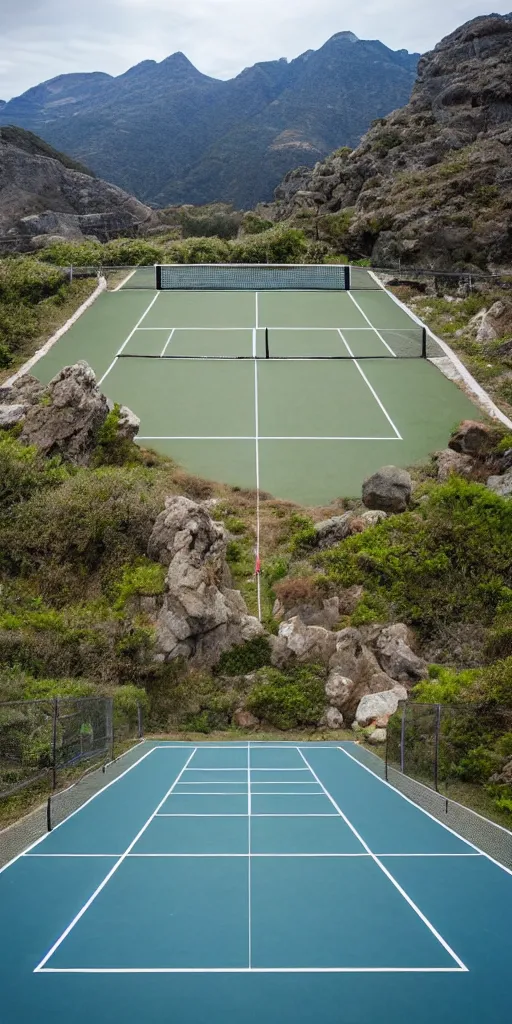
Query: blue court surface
x: 259, y: 883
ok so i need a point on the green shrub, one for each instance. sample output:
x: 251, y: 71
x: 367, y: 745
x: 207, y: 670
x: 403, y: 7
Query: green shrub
x: 112, y: 449
x: 142, y: 579
x: 289, y: 701
x: 277, y: 245
x: 245, y: 658
x: 23, y: 472
x: 303, y: 533
x: 5, y: 356
x: 254, y: 225
x: 448, y: 562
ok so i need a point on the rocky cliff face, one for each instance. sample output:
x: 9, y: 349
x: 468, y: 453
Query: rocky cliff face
x: 171, y: 135
x: 431, y: 183
x: 45, y: 194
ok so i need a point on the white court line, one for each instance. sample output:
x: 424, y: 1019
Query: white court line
x: 423, y: 811
x: 250, y: 970
x: 372, y: 389
x: 129, y: 338
x: 368, y: 321
x: 168, y: 342
x: 386, y: 872
x: 113, y: 870
x: 114, y: 856
x: 167, y: 815
x: 81, y: 808
x: 333, y: 329
x: 262, y: 437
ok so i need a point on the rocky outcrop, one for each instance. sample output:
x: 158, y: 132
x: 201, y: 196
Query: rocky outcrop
x: 389, y: 490
x: 300, y: 644
x: 501, y: 485
x: 42, y: 195
x: 201, y: 616
x: 431, y: 184
x: 472, y: 438
x: 64, y: 418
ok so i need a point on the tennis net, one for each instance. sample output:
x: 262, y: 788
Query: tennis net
x: 281, y: 343
x: 253, y: 277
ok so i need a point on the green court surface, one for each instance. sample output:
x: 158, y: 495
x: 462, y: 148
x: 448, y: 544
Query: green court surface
x: 255, y: 882
x: 301, y: 424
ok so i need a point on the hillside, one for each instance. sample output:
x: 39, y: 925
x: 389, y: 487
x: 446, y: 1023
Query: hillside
x: 169, y: 134
x: 44, y: 193
x: 431, y: 184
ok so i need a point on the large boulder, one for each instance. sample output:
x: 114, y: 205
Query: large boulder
x: 389, y: 489
x: 395, y: 656
x: 338, y: 689
x: 323, y: 612
x: 300, y: 644
x: 377, y: 705
x: 201, y: 616
x: 67, y: 418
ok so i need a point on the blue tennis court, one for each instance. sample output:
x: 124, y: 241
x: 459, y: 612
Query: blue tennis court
x: 253, y: 882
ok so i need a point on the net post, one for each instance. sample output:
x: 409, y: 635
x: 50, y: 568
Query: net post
x: 140, y: 722
x: 424, y: 343
x: 158, y: 272
x: 348, y: 277
x: 55, y: 718
x: 267, y: 346
x: 49, y: 814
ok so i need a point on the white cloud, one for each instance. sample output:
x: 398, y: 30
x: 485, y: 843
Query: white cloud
x: 45, y: 38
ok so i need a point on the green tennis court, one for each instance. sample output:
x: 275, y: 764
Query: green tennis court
x: 301, y: 394
x: 259, y: 882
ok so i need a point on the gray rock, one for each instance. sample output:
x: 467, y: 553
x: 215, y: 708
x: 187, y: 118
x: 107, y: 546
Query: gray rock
x: 324, y: 613
x: 200, y: 617
x: 331, y: 719
x: 297, y: 643
x: 451, y: 463
x: 332, y: 531
x: 388, y: 490
x: 65, y: 420
x: 377, y: 736
x: 338, y: 689
x: 129, y: 424
x: 349, y: 599
x: 10, y: 415
x: 373, y: 517
x: 375, y: 705
x: 501, y: 485
x: 396, y: 657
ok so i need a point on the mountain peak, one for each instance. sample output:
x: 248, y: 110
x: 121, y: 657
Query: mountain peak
x: 348, y: 37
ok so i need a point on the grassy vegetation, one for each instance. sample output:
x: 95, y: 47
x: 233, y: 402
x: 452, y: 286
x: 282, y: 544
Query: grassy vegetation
x: 449, y: 317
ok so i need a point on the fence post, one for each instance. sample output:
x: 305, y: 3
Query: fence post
x: 140, y: 722
x: 109, y: 713
x: 436, y: 747
x: 55, y: 718
x: 402, y: 740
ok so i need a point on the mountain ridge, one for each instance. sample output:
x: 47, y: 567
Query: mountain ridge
x: 431, y: 183
x: 169, y: 134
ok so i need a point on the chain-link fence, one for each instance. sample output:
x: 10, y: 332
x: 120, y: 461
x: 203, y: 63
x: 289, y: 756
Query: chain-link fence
x: 40, y: 740
x: 455, y: 761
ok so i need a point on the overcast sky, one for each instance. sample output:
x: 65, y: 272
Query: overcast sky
x: 45, y: 38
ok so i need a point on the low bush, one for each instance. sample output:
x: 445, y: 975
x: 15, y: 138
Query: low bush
x: 245, y: 658
x: 289, y: 700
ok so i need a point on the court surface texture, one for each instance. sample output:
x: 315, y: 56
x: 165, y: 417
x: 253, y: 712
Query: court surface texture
x: 300, y: 425
x: 255, y: 882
